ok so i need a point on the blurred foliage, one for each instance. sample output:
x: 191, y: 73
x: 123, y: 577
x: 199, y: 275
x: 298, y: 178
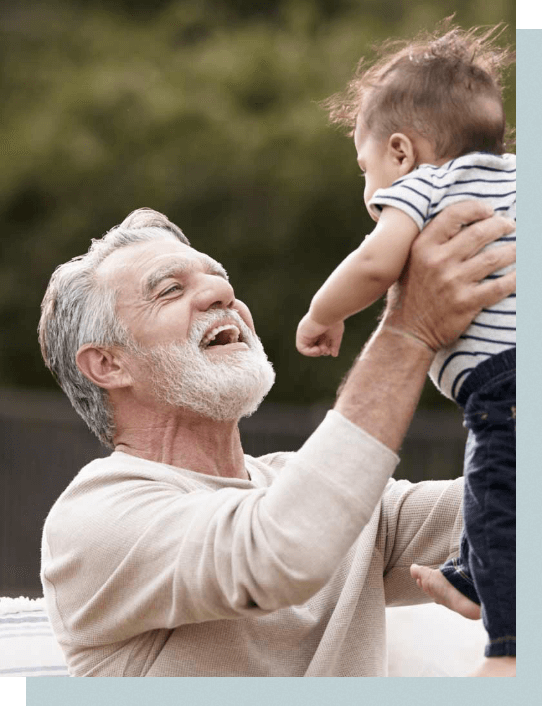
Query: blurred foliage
x: 207, y: 111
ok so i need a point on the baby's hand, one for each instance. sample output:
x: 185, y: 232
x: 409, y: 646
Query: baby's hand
x: 314, y: 339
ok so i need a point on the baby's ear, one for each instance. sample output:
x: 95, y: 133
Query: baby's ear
x: 402, y: 152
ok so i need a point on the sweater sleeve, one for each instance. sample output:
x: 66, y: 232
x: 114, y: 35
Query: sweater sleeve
x: 124, y: 560
x: 421, y: 523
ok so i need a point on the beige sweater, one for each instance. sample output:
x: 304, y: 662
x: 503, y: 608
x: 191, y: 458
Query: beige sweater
x: 154, y: 571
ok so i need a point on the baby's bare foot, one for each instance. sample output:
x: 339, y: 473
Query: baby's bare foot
x: 441, y: 591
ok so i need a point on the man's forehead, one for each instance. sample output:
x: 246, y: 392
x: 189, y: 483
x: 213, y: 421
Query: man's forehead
x: 140, y: 259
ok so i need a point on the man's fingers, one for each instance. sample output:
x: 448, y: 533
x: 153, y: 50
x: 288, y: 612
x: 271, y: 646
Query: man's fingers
x: 492, y: 291
x: 490, y: 260
x: 450, y: 221
x: 471, y: 239
x: 446, y: 275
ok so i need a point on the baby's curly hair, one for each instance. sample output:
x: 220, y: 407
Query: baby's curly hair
x: 446, y: 86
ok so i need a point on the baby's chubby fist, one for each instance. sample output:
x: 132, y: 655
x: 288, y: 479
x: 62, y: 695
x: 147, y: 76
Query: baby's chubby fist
x: 314, y: 339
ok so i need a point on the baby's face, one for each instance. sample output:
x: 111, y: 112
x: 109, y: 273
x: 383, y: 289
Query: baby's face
x: 375, y: 161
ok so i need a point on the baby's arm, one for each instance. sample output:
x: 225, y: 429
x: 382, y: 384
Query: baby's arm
x: 362, y: 278
x: 368, y: 272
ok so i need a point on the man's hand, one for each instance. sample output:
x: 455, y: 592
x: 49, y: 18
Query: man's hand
x: 438, y: 295
x: 314, y: 339
x: 441, y: 289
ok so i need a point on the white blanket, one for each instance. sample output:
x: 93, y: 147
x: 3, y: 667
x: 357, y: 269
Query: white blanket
x: 423, y: 641
x: 27, y: 645
x: 432, y: 641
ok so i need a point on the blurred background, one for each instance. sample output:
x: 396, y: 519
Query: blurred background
x: 206, y: 110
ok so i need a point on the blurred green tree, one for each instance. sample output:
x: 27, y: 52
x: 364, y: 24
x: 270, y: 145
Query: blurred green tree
x: 207, y: 111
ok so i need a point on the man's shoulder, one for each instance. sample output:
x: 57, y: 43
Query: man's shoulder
x: 105, y: 484
x: 116, y: 467
x: 86, y: 476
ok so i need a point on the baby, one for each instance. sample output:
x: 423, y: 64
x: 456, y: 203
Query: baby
x: 429, y: 129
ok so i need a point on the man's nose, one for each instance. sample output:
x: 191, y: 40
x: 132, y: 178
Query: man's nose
x: 213, y: 291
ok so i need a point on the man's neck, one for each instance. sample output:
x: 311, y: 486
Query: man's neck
x: 184, y: 440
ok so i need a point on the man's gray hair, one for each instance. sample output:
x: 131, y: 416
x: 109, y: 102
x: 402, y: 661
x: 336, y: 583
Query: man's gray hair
x: 77, y: 308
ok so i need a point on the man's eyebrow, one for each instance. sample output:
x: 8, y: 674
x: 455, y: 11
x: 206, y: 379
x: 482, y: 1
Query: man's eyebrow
x: 174, y: 269
x: 214, y: 267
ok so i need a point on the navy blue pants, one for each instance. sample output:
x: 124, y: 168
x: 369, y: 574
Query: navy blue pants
x: 485, y: 571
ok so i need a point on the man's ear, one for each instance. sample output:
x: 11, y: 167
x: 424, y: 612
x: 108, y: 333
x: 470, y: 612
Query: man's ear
x: 102, y: 366
x: 402, y: 152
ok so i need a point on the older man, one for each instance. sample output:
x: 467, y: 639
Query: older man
x: 178, y: 555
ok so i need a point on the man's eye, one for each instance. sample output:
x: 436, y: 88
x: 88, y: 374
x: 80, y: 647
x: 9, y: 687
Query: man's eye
x: 170, y: 290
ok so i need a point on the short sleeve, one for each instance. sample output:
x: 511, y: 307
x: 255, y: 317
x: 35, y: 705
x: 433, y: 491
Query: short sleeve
x: 411, y: 194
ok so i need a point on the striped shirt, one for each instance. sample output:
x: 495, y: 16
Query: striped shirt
x: 425, y: 192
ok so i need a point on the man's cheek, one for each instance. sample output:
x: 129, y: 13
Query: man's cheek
x: 245, y: 314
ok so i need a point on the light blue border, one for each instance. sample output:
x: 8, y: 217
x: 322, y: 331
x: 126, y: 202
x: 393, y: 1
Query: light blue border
x: 253, y: 692
x: 346, y: 692
x: 529, y: 577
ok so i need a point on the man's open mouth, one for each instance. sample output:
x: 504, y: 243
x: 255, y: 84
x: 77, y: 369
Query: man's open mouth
x: 222, y: 336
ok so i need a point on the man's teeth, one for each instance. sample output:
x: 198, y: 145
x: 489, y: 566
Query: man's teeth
x: 231, y: 335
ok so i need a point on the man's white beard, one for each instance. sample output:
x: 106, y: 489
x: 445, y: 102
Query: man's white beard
x: 217, y: 385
